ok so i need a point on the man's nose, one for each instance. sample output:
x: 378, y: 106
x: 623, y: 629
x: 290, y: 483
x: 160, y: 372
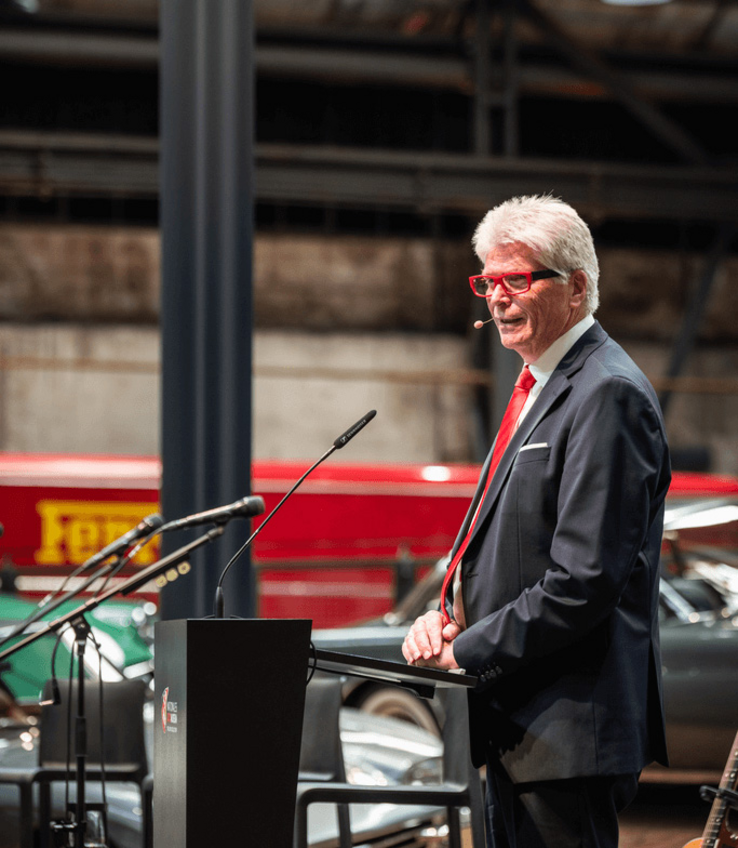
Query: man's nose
x: 498, y: 294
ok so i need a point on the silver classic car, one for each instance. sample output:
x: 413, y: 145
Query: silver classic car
x: 699, y: 642
x: 377, y: 750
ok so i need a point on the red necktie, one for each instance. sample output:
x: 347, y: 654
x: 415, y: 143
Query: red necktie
x: 523, y: 385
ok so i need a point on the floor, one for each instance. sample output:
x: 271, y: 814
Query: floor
x: 663, y: 817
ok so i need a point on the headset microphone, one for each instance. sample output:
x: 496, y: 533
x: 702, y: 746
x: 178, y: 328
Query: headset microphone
x: 479, y: 324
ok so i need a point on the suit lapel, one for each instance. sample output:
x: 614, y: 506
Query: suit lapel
x: 559, y: 383
x: 479, y: 491
x: 555, y: 386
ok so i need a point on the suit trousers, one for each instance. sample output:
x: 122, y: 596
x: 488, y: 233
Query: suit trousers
x: 578, y: 812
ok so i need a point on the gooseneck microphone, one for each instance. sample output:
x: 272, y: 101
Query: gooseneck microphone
x: 479, y: 324
x: 343, y: 440
x: 339, y: 443
x: 244, y: 508
x: 220, y: 515
x: 142, y: 530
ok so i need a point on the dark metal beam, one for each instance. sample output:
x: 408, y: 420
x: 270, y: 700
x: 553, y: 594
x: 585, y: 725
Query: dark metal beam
x: 696, y: 308
x: 44, y: 165
x: 511, y: 83
x: 582, y: 57
x: 34, y: 46
x: 444, y: 183
x: 439, y: 69
x: 345, y: 66
x: 206, y: 314
x: 481, y: 71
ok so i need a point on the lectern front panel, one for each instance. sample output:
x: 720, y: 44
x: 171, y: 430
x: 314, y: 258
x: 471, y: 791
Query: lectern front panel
x: 230, y: 699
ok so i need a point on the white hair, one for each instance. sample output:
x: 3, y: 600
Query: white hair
x: 555, y: 233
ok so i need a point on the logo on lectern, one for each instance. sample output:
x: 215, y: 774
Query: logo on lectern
x: 168, y: 713
x: 164, y: 696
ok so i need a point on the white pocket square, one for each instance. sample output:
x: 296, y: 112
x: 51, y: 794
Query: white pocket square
x: 533, y: 446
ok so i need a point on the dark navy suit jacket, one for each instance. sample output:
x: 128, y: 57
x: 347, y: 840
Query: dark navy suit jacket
x: 560, y: 579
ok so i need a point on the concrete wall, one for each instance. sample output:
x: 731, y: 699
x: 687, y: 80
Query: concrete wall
x: 75, y: 388
x: 71, y: 387
x: 343, y: 325
x: 111, y: 274
x: 331, y: 283
x: 309, y: 388
x: 78, y: 273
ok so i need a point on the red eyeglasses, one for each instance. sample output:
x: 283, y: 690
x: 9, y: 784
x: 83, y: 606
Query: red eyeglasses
x: 483, y: 285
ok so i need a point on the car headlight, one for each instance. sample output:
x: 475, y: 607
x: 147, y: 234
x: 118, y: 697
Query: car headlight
x: 425, y: 772
x: 384, y: 751
x: 363, y: 776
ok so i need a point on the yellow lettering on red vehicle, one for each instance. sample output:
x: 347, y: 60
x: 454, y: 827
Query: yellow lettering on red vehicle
x: 72, y: 531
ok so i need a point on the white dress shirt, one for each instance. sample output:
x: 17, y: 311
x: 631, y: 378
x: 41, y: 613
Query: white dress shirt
x: 547, y: 362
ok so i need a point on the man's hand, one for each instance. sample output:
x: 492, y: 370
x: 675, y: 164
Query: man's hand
x: 428, y: 643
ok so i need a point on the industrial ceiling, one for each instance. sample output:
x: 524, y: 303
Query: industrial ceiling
x: 625, y: 110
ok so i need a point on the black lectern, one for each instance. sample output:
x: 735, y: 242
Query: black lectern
x: 231, y: 697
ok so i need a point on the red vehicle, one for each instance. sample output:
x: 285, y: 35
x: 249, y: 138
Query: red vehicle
x: 334, y: 553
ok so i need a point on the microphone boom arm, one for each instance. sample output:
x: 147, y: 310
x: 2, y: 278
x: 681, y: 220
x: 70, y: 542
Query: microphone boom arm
x: 22, y: 626
x: 129, y: 585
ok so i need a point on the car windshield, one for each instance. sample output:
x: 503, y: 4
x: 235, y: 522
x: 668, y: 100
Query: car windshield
x: 699, y: 566
x: 700, y: 554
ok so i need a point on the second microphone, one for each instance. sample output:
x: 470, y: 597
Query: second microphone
x: 244, y: 508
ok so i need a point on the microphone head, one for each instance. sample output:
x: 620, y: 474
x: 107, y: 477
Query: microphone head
x: 343, y: 440
x: 249, y: 507
x: 478, y: 325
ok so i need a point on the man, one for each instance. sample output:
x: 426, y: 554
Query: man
x: 556, y: 604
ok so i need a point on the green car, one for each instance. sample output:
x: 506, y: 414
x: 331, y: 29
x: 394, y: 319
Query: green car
x: 121, y: 628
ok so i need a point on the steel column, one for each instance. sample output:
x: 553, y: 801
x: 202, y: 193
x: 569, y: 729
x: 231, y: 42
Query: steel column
x: 511, y: 79
x: 696, y: 308
x: 206, y: 172
x: 481, y: 70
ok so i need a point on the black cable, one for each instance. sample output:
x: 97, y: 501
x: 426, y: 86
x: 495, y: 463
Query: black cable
x: 125, y: 560
x: 55, y: 693
x: 102, y: 728
x: 314, y: 664
x: 56, y: 592
x: 121, y: 562
x: 69, y: 729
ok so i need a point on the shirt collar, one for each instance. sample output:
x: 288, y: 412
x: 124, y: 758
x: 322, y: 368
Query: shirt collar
x: 546, y: 364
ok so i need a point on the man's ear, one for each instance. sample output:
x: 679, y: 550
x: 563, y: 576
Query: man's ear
x: 578, y: 279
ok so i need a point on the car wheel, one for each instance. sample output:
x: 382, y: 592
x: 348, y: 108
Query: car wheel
x: 389, y: 701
